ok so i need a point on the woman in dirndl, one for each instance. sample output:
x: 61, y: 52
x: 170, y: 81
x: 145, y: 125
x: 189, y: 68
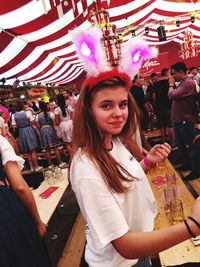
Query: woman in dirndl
x: 49, y: 138
x: 29, y: 139
x: 64, y: 114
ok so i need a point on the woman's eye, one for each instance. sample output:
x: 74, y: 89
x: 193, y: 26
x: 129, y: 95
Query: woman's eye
x: 106, y: 106
x: 123, y: 105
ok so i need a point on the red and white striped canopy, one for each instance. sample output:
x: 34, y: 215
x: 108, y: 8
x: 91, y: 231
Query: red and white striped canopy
x: 35, y: 41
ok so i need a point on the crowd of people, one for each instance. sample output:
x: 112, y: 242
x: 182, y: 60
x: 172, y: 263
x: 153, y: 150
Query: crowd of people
x: 176, y: 111
x: 103, y: 132
x: 40, y: 127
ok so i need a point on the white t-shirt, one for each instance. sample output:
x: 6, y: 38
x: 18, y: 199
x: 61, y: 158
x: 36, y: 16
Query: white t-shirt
x: 8, y: 153
x: 110, y: 215
x: 29, y: 115
x: 58, y: 112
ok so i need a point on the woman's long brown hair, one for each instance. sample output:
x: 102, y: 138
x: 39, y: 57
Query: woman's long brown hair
x: 87, y: 136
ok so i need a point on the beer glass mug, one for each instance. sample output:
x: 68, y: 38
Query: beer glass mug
x: 169, y: 194
x: 171, y: 178
x: 176, y: 211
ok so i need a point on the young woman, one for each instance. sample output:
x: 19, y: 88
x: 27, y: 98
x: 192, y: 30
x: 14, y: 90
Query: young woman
x: 4, y: 131
x: 49, y: 138
x: 111, y: 187
x: 28, y: 137
x: 21, y: 228
x: 64, y: 119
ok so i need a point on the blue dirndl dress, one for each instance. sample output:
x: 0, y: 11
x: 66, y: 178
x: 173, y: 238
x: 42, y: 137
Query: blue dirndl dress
x: 49, y: 138
x: 28, y: 137
x: 20, y: 243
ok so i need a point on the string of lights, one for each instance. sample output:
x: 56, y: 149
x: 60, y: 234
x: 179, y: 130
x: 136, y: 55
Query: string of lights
x: 177, y: 21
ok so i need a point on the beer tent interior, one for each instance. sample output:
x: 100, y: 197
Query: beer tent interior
x: 36, y: 43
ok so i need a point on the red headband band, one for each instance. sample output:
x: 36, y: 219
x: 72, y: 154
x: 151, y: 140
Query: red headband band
x: 114, y: 72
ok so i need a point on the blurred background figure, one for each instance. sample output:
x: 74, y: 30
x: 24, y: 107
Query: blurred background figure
x: 21, y: 227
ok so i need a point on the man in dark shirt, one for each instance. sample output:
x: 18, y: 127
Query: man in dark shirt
x: 184, y: 113
x: 163, y: 106
x: 145, y: 107
x: 151, y: 88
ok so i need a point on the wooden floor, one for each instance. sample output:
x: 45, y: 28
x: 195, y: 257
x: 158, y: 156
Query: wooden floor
x: 73, y: 251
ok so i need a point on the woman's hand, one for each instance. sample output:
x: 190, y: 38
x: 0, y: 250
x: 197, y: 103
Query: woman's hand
x: 159, y: 153
x: 42, y: 228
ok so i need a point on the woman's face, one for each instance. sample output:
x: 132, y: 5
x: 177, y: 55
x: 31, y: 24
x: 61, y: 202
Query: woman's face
x: 110, y: 109
x: 51, y: 106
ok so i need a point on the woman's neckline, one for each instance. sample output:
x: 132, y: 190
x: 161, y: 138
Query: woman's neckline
x: 110, y: 148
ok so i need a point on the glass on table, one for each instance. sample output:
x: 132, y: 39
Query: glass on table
x: 171, y: 178
x: 169, y: 194
x: 49, y: 177
x: 176, y: 211
x: 58, y: 173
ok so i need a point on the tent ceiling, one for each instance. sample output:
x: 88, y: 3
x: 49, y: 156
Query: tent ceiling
x: 35, y: 41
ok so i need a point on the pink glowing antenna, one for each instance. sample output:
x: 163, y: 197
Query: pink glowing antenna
x: 90, y: 51
x: 133, y: 53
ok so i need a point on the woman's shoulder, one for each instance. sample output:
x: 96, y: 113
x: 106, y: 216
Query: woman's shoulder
x: 82, y: 165
x: 81, y: 158
x: 8, y: 154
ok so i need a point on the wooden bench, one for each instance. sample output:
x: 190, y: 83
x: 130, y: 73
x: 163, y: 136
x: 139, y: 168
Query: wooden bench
x: 75, y: 245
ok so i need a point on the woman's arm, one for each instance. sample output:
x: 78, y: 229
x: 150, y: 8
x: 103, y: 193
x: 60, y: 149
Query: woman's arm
x: 157, y: 154
x: 137, y: 245
x: 22, y: 190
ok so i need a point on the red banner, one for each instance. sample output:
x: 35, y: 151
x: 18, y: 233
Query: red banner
x: 37, y: 91
x: 154, y: 65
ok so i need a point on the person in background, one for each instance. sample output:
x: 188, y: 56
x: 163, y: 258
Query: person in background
x: 69, y: 100
x: 28, y: 106
x: 52, y: 105
x: 64, y: 114
x: 163, y: 106
x: 193, y: 75
x: 28, y: 138
x: 49, y: 138
x: 184, y: 113
x: 151, y: 89
x: 144, y: 106
x: 4, y: 131
x: 34, y: 107
x: 198, y: 76
x: 137, y: 144
x: 110, y: 185
x: 195, y: 169
x: 21, y: 227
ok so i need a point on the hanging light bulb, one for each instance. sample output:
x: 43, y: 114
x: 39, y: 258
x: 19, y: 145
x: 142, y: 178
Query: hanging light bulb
x: 177, y: 23
x: 146, y: 30
x: 192, y: 18
x: 133, y: 33
x: 161, y: 33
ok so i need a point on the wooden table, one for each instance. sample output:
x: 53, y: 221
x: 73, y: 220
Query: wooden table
x: 195, y: 185
x: 47, y: 206
x: 185, y: 251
